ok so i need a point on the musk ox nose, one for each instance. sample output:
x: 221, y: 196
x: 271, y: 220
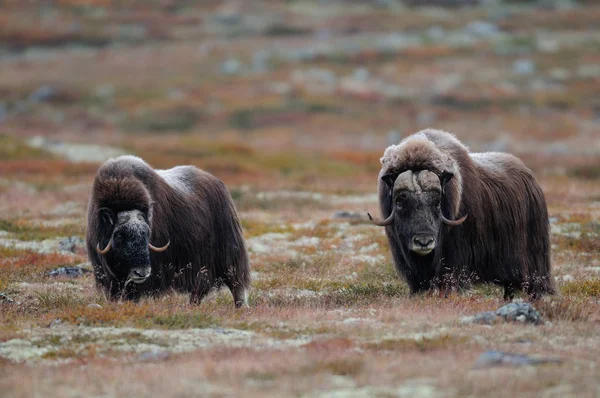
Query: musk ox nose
x: 139, y: 275
x: 423, y: 241
x: 423, y: 244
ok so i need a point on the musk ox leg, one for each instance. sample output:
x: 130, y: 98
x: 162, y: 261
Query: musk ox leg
x: 240, y: 294
x: 509, y: 291
x: 198, y: 294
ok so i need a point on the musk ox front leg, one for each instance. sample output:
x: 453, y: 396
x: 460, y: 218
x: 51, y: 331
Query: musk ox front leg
x: 240, y: 295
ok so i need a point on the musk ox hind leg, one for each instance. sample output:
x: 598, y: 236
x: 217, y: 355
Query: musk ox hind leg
x: 198, y: 294
x: 509, y: 291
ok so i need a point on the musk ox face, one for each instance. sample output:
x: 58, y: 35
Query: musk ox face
x: 416, y: 213
x: 127, y: 253
x: 417, y: 208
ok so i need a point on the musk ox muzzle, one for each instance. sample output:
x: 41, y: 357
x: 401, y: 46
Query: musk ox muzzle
x: 129, y: 245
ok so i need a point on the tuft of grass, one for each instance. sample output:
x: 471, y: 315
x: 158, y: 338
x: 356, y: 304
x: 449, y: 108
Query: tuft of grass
x: 57, y: 300
x: 179, y: 320
x: 363, y: 293
x: 20, y: 266
x: 146, y: 314
x: 585, y: 288
x: 12, y: 148
x: 424, y: 344
x: 24, y: 231
x: 179, y: 118
x: 254, y: 227
x: 342, y: 367
x: 591, y: 172
x: 569, y: 309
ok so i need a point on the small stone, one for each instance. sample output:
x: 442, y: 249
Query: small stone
x: 154, y: 356
x: 523, y: 312
x: 69, y: 272
x: 5, y: 299
x: 483, y: 318
x: 347, y: 215
x: 361, y: 74
x: 498, y: 358
x: 70, y: 244
x: 481, y: 29
x: 42, y: 94
x: 232, y: 66
x: 94, y: 306
x: 512, y: 312
x: 523, y: 67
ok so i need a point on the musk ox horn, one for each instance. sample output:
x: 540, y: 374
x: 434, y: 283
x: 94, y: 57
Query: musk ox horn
x: 382, y: 223
x: 159, y: 249
x: 453, y: 223
x: 106, y: 249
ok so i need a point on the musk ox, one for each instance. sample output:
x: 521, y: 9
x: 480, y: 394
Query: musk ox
x: 150, y: 231
x: 453, y: 217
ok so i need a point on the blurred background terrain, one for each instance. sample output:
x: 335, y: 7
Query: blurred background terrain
x: 291, y: 103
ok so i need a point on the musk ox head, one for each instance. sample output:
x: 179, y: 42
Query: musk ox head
x: 127, y: 253
x: 416, y: 215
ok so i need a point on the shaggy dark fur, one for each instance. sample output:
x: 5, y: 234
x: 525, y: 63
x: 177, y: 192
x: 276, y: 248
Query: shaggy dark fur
x: 505, y: 238
x: 184, y: 205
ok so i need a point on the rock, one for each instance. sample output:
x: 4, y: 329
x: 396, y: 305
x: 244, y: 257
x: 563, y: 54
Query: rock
x: 513, y: 312
x: 43, y: 94
x: 523, y: 67
x: 481, y: 29
x: 94, y: 306
x: 498, y: 358
x: 347, y: 215
x: 523, y: 312
x: 105, y: 91
x: 5, y: 299
x: 361, y: 74
x: 154, y: 356
x: 232, y: 66
x: 69, y: 272
x: 77, y: 153
x: 3, y: 111
x: 483, y: 318
x: 70, y: 244
x: 436, y: 32
x: 315, y: 79
x: 260, y: 61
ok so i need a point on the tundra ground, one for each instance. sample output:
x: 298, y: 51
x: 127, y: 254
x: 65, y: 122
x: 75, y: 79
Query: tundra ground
x: 293, y: 114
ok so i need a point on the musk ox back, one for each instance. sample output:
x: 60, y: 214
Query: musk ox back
x: 150, y: 231
x: 454, y: 217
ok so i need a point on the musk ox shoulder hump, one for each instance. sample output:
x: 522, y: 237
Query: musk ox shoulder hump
x: 180, y: 178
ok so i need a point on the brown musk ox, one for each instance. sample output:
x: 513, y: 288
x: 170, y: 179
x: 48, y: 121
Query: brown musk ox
x: 453, y: 218
x: 152, y: 231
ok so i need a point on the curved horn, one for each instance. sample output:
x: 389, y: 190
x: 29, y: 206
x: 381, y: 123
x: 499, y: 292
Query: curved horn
x: 383, y: 223
x: 453, y: 223
x: 106, y: 249
x: 159, y: 249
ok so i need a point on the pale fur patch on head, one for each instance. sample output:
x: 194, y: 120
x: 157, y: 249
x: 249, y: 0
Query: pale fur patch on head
x: 420, y: 181
x: 418, y: 152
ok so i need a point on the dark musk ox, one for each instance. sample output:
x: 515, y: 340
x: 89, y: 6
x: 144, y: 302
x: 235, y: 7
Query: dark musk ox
x: 453, y: 217
x: 151, y: 231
